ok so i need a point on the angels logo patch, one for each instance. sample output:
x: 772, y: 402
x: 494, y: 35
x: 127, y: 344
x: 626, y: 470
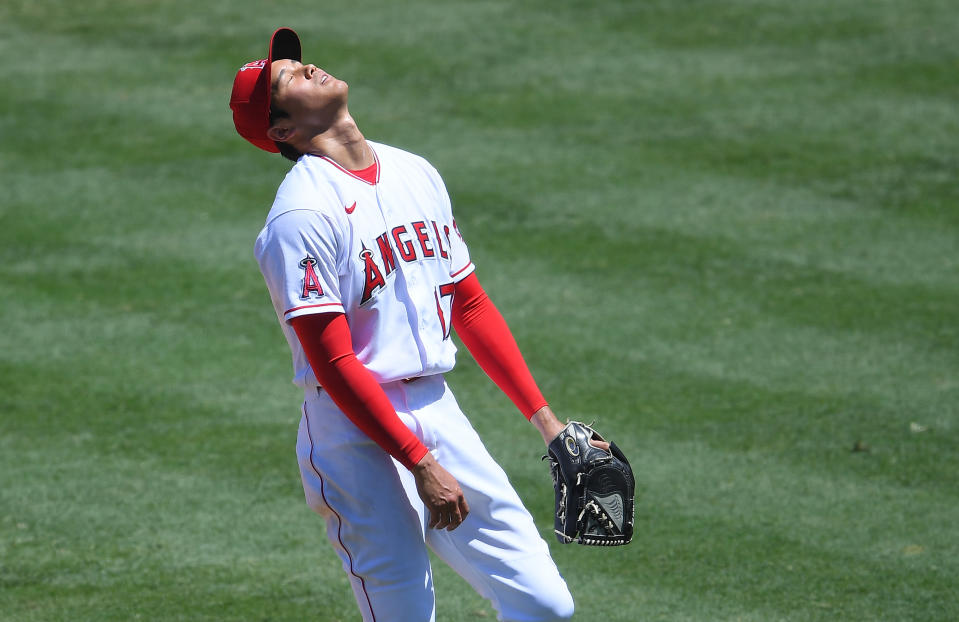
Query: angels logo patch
x: 311, y: 282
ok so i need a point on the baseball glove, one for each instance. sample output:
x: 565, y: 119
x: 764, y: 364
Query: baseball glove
x: 594, y: 489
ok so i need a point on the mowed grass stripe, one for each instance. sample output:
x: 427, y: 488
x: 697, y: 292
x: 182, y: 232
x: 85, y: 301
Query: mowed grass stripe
x: 173, y: 543
x: 766, y: 219
x: 726, y: 279
x: 833, y: 543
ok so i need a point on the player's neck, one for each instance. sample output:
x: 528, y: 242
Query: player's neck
x: 343, y: 143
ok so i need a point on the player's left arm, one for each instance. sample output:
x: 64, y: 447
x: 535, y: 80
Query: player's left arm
x: 486, y: 335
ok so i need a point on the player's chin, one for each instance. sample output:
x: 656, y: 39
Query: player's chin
x: 336, y: 93
x: 335, y: 84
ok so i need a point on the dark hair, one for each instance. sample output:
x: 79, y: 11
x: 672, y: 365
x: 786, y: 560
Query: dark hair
x: 286, y: 150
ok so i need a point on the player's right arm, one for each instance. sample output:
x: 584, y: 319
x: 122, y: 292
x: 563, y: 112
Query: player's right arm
x: 327, y: 343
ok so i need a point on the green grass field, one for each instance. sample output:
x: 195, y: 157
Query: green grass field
x: 728, y: 232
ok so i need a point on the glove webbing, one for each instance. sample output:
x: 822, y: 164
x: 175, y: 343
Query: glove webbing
x: 599, y: 515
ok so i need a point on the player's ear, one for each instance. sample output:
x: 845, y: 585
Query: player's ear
x: 281, y: 131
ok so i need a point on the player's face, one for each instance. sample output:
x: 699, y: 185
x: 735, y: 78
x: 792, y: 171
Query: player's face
x: 306, y: 92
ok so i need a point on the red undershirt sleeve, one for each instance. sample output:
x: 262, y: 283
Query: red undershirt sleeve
x: 483, y: 330
x: 326, y: 340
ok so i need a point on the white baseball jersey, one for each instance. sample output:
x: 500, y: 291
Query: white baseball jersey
x: 385, y: 253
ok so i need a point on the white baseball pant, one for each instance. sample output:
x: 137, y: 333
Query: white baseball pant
x: 376, y: 521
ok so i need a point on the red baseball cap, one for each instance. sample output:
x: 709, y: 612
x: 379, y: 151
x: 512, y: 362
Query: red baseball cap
x: 250, y: 100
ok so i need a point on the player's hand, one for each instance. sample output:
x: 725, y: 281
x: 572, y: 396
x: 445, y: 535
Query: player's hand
x: 549, y: 427
x: 441, y: 493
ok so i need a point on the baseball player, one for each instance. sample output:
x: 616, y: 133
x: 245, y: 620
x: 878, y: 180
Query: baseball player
x: 369, y: 274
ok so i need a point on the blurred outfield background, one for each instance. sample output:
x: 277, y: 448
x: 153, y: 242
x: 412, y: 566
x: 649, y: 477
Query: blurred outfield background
x: 726, y: 231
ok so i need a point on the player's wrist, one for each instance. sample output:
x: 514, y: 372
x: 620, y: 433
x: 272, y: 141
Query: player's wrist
x: 409, y: 458
x: 424, y: 464
x: 547, y: 424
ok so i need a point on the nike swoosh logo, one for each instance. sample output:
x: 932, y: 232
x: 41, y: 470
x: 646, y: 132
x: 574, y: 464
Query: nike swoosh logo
x: 349, y: 210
